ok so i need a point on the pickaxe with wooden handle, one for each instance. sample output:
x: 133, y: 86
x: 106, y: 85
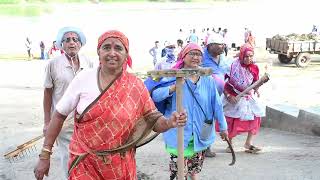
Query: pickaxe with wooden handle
x: 265, y: 78
x: 180, y: 74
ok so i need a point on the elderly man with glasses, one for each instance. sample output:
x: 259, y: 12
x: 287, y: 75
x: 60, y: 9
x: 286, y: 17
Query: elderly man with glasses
x: 214, y: 58
x: 59, y: 73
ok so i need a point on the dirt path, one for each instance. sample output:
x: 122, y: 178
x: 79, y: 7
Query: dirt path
x: 286, y: 155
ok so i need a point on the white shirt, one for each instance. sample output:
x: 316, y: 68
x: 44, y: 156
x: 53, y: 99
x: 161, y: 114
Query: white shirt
x: 82, y: 91
x: 59, y: 73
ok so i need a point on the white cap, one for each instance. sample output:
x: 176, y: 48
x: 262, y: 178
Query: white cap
x: 169, y: 43
x: 215, y: 38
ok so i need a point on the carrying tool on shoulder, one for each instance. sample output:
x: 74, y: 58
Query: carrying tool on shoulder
x: 180, y: 74
x: 265, y: 78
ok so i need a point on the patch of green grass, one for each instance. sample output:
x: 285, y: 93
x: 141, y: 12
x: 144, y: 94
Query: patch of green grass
x: 70, y: 1
x: 26, y: 10
x: 10, y: 1
x: 119, y: 1
x: 124, y: 1
x: 33, y: 8
x: 39, y: 1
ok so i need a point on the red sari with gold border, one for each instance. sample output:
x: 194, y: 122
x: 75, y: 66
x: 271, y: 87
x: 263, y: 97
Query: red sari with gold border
x: 106, y: 124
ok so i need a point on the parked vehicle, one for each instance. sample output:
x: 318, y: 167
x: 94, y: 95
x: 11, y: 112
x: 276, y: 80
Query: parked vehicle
x: 299, y: 50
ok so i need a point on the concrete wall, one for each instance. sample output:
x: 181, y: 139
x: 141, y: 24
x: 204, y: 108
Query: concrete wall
x: 301, y: 122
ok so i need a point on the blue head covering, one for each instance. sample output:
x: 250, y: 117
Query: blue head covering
x: 65, y: 30
x: 170, y: 57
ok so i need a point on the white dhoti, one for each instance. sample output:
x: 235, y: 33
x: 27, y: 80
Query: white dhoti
x: 63, y: 141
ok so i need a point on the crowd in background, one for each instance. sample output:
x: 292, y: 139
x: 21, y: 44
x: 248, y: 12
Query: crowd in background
x: 164, y: 53
x: 45, y: 52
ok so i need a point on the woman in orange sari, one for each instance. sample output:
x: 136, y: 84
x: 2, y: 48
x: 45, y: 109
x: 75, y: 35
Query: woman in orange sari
x: 108, y: 103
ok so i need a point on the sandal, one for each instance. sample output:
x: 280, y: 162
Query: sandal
x: 209, y: 153
x: 252, y: 149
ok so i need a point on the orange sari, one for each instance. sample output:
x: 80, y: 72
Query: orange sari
x: 107, y: 124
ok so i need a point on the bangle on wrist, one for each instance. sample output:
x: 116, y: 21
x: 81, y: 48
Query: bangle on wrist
x: 44, y: 156
x: 46, y: 150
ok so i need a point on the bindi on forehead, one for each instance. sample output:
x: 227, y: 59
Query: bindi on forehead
x: 113, y: 43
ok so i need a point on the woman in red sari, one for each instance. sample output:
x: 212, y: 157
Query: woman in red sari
x: 108, y: 103
x: 243, y: 115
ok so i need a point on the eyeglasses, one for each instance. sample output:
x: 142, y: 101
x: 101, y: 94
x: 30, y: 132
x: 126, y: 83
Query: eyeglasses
x: 193, y: 54
x: 74, y: 39
x: 218, y: 44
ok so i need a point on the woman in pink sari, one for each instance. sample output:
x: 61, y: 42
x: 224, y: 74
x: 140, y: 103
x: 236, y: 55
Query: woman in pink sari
x: 108, y: 103
x: 244, y: 114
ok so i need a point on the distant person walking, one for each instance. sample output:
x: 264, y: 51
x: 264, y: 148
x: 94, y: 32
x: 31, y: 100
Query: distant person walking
x: 193, y: 38
x: 251, y: 40
x: 246, y: 34
x: 55, y: 51
x: 28, y: 45
x: 179, y: 47
x: 226, y: 41
x: 155, y: 53
x: 314, y: 30
x: 42, y: 48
